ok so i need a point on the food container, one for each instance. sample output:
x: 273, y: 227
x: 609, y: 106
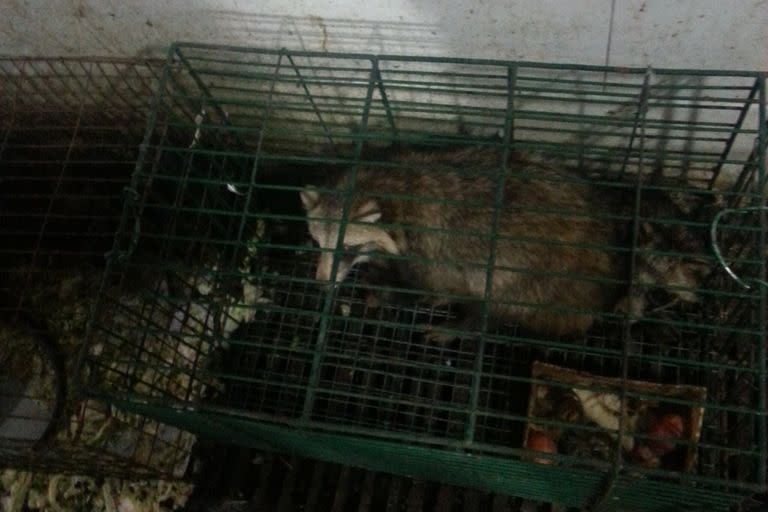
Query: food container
x: 658, y: 433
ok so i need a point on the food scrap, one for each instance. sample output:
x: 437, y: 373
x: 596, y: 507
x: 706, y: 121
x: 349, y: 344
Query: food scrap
x: 540, y: 441
x: 581, y: 415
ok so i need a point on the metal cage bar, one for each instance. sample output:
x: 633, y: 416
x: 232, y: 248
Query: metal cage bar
x: 328, y: 300
x: 70, y: 133
x: 324, y: 372
x: 762, y: 141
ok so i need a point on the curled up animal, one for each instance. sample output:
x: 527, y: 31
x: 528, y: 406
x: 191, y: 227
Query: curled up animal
x: 560, y: 250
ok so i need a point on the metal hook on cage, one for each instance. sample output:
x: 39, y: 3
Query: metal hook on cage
x: 718, y: 253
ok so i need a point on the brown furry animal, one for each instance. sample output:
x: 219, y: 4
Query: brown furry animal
x: 557, y: 264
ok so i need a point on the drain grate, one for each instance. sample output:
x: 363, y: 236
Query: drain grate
x: 233, y: 479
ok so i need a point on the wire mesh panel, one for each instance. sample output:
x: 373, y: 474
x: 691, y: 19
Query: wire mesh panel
x: 69, y: 136
x: 540, y: 280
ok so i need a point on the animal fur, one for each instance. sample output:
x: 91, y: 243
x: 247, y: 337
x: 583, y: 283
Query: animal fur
x: 555, y: 271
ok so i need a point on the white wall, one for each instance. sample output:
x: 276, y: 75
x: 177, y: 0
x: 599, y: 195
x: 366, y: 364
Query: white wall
x: 730, y: 34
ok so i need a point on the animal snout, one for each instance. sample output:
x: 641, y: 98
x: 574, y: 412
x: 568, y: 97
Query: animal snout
x: 325, y: 268
x: 323, y: 272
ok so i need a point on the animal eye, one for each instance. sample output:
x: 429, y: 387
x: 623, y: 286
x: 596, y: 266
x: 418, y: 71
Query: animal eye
x: 352, y: 247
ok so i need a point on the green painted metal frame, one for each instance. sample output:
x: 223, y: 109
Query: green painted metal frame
x: 464, y: 462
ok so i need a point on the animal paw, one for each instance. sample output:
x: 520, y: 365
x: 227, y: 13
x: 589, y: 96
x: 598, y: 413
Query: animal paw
x: 436, y: 336
x: 373, y: 301
x: 632, y: 307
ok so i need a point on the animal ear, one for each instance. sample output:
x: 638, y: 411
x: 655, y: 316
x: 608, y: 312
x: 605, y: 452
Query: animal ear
x: 309, y: 197
x: 369, y: 212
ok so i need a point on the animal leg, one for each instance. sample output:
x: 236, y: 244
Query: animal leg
x: 469, y: 323
x: 632, y: 305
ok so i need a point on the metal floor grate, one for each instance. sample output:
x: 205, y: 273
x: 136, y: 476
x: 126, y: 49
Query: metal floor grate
x: 249, y: 481
x: 232, y: 479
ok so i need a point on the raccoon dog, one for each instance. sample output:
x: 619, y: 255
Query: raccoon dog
x: 557, y: 259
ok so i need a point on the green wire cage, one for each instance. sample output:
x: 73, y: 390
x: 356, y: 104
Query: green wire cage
x: 70, y: 129
x: 658, y: 404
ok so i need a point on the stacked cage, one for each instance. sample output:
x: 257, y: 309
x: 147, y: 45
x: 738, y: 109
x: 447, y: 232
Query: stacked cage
x: 548, y: 281
x: 70, y: 131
